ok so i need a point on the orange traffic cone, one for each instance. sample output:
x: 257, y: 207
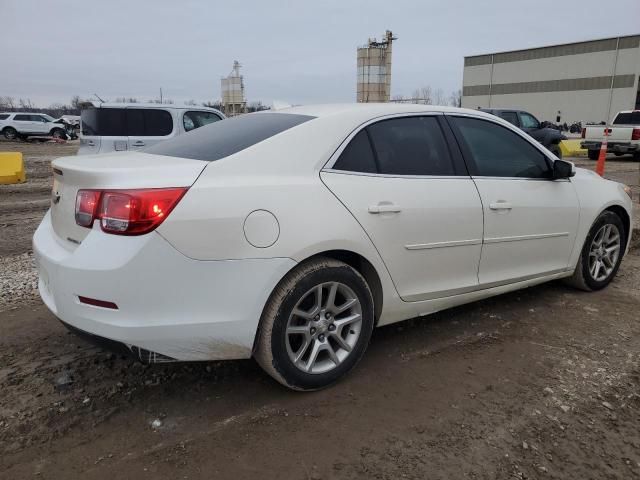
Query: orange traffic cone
x: 603, y: 154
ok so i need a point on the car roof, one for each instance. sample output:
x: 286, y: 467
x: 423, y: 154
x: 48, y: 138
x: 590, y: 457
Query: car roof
x: 167, y: 106
x: 372, y: 110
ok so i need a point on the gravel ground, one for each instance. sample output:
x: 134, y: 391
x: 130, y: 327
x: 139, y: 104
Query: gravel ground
x: 541, y: 383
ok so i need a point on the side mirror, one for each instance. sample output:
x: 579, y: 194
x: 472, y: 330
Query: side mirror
x: 563, y: 169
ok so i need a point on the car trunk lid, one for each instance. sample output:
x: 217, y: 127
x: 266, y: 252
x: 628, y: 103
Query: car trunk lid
x: 117, y: 171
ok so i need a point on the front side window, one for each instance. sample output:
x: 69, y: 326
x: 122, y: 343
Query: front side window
x: 511, y: 117
x: 528, y: 121
x: 196, y: 119
x: 498, y: 152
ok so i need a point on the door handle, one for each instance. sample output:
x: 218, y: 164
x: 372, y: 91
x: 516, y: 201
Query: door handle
x: 138, y: 144
x: 500, y: 205
x: 384, y: 208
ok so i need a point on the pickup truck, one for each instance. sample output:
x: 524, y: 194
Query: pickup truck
x: 550, y: 138
x: 623, y: 135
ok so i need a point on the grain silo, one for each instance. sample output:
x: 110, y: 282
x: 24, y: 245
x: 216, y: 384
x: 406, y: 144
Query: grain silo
x: 232, y: 88
x: 374, y: 70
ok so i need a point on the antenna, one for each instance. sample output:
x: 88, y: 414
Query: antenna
x: 96, y: 95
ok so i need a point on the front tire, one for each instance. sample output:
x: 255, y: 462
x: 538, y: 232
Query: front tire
x: 601, y: 254
x: 58, y: 133
x: 316, y: 326
x: 593, y: 154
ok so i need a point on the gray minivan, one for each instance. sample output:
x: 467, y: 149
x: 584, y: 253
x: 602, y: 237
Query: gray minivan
x: 114, y: 127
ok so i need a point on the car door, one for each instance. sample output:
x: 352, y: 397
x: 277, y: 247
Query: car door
x: 148, y: 126
x: 407, y: 187
x: 23, y: 124
x: 40, y: 124
x: 530, y: 220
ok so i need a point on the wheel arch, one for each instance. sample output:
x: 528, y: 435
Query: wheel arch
x: 624, y: 216
x: 355, y: 260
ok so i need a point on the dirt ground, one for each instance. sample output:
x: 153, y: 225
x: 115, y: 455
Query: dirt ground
x: 541, y: 383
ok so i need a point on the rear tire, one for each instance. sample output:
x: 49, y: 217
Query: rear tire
x: 593, y: 154
x: 597, y: 241
x: 10, y: 133
x: 305, y: 341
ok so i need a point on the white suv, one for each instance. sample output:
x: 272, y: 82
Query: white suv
x: 26, y: 124
x: 112, y: 127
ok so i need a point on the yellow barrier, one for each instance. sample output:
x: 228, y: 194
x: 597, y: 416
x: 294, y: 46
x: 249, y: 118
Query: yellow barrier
x: 572, y: 148
x: 11, y: 168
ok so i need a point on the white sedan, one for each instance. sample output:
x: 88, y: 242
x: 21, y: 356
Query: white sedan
x: 288, y: 236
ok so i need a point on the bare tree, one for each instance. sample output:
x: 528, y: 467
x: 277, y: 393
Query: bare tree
x: 7, y: 103
x: 439, y: 98
x: 455, y: 99
x: 25, y: 104
x: 190, y: 102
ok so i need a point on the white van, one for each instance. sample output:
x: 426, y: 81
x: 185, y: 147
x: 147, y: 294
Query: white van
x: 114, y: 127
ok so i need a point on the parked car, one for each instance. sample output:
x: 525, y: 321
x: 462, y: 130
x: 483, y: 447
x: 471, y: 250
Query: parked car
x: 113, y: 127
x: 549, y: 137
x: 288, y: 236
x: 25, y: 124
x: 623, y: 136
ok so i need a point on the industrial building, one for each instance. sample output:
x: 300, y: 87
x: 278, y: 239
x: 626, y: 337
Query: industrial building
x: 232, y: 87
x: 374, y: 70
x: 585, y: 81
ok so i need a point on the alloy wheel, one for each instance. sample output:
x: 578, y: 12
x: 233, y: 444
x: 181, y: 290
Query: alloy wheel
x: 604, y: 252
x: 323, y: 328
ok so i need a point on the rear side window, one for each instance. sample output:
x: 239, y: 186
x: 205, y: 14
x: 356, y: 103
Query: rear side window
x: 108, y: 122
x: 123, y: 122
x: 357, y: 156
x: 221, y: 139
x: 627, y: 118
x: 3, y: 116
x: 411, y: 146
x: 23, y: 118
x: 196, y: 119
x: 498, y: 152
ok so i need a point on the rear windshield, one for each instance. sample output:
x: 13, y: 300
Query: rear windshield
x: 125, y: 122
x: 627, y: 118
x: 221, y: 139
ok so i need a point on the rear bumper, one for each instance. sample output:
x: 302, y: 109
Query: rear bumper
x: 168, y: 304
x: 613, y: 147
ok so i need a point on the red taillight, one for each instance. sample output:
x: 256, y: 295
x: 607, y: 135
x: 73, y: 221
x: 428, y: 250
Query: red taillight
x: 635, y: 135
x: 97, y: 303
x: 584, y: 132
x: 86, y: 206
x: 126, y: 212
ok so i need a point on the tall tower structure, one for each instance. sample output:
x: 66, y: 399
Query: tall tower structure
x: 232, y: 88
x: 374, y: 70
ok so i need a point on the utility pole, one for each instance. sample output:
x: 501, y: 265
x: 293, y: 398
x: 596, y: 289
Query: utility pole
x: 160, y: 94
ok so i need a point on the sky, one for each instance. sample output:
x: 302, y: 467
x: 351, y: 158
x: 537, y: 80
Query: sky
x: 296, y: 52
